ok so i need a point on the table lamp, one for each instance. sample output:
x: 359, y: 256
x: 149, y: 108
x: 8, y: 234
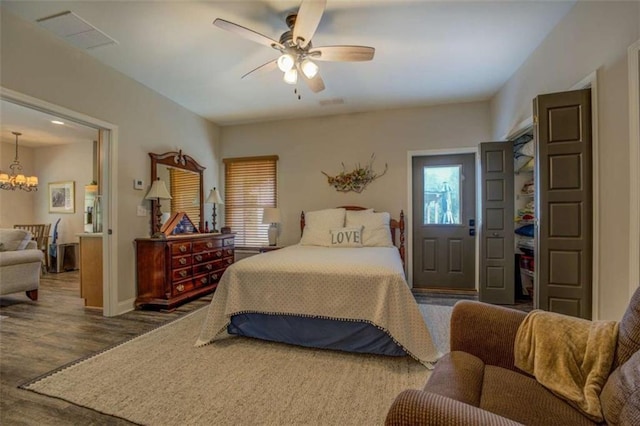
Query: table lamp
x: 271, y: 215
x: 157, y: 192
x: 214, y: 198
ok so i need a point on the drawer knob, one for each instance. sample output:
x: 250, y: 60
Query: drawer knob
x: 180, y: 287
x: 183, y: 273
x: 183, y: 261
x: 219, y: 253
x: 229, y: 261
x: 229, y: 252
x: 183, y: 248
x: 199, y: 258
x: 209, y: 244
x: 209, y: 266
x: 203, y: 280
x: 214, y: 277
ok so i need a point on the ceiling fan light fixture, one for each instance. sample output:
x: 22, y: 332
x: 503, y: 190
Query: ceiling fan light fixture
x: 286, y: 62
x: 309, y: 69
x: 291, y: 76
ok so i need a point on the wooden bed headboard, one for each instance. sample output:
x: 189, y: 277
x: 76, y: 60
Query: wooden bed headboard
x: 395, y: 225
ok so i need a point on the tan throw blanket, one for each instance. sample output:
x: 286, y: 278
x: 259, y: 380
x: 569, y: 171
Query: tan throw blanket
x: 365, y: 284
x: 569, y: 356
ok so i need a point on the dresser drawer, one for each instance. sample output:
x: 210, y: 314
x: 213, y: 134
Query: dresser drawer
x: 182, y: 287
x: 183, y: 247
x: 206, y: 245
x: 180, y: 261
x: 215, y: 276
x: 228, y: 242
x: 201, y: 280
x: 205, y: 268
x: 181, y: 274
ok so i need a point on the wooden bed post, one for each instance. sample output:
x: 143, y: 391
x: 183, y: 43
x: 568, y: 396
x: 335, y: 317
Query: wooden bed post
x: 401, y: 227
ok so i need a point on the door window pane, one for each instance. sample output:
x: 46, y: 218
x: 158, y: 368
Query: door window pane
x: 442, y: 195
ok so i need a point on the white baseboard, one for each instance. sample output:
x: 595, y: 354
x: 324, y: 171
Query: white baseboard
x: 126, y: 306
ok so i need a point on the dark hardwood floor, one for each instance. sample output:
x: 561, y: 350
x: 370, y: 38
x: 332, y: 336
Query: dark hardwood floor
x: 37, y: 337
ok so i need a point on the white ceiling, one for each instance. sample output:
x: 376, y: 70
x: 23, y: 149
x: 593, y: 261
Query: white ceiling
x: 37, y: 129
x: 427, y: 52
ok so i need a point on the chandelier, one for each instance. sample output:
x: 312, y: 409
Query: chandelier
x: 16, y: 180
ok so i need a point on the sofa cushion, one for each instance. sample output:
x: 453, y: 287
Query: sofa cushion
x: 523, y: 399
x: 620, y: 396
x: 629, y: 332
x: 14, y: 239
x: 458, y: 375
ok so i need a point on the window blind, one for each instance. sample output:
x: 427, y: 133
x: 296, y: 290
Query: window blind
x: 250, y: 186
x: 185, y: 193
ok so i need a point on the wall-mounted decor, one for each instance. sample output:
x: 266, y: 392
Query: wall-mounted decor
x: 62, y: 197
x: 355, y: 180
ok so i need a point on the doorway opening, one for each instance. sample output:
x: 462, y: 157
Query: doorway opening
x: 108, y: 136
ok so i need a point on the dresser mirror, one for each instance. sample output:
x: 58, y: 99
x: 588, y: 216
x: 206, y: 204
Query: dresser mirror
x: 182, y: 176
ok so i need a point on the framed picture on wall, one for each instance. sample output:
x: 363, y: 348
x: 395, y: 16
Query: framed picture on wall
x: 62, y: 197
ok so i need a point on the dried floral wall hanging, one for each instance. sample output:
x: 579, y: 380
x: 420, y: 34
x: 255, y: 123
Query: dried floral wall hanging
x: 355, y: 180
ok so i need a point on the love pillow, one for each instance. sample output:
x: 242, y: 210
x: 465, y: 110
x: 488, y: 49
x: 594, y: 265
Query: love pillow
x: 346, y: 237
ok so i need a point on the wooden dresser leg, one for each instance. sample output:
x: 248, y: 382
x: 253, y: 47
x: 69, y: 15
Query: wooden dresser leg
x: 32, y: 294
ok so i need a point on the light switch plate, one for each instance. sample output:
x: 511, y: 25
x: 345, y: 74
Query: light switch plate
x: 138, y: 184
x: 142, y: 211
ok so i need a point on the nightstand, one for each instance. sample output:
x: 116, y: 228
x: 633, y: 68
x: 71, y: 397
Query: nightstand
x: 265, y: 249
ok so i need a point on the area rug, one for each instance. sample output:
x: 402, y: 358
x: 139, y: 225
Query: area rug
x: 160, y: 378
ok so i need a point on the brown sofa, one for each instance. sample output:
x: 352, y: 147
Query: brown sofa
x: 477, y: 383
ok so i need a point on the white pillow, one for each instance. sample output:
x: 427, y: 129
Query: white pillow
x: 14, y: 239
x: 318, y: 224
x: 346, y: 237
x: 376, y: 231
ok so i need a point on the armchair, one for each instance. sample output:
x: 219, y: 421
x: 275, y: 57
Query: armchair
x: 478, y: 383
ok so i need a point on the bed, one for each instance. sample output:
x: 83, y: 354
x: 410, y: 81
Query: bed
x: 353, y: 297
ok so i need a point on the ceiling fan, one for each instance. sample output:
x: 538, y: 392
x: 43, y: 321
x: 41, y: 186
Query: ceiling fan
x: 298, y: 56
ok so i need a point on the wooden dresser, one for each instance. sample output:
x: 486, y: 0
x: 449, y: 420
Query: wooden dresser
x: 180, y: 268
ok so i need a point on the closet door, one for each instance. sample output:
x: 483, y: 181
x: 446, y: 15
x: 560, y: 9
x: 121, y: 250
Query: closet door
x: 562, y: 128
x: 496, y: 238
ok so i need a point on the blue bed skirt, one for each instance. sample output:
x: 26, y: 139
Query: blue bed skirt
x: 350, y: 336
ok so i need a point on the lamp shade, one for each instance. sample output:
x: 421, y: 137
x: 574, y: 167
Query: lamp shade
x: 271, y: 215
x: 214, y: 197
x: 158, y: 191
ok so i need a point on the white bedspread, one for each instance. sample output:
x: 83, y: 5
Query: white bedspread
x: 365, y: 284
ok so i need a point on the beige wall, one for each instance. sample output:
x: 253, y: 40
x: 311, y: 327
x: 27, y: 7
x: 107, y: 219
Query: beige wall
x: 16, y: 207
x: 307, y: 147
x: 63, y: 163
x: 593, y: 36
x: 46, y: 68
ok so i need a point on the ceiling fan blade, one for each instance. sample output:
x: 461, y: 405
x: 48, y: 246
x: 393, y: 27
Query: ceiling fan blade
x: 262, y: 69
x: 316, y: 84
x: 307, y: 21
x: 247, y: 33
x: 342, y: 53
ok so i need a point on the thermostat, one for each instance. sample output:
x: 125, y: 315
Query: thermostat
x: 138, y: 184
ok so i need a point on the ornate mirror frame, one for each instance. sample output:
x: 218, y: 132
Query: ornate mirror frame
x: 176, y: 160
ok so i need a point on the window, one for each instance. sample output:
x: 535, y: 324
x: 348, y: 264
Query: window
x: 442, y: 195
x: 250, y: 186
x: 185, y: 190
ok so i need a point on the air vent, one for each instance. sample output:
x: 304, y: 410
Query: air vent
x: 334, y: 101
x: 75, y: 30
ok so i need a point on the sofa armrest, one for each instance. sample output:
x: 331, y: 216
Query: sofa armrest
x: 486, y: 331
x: 415, y: 407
